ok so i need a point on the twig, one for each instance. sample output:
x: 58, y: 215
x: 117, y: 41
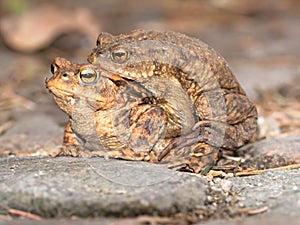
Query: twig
x: 24, y: 214
x: 156, y: 220
x: 258, y: 211
x: 256, y: 172
x: 5, y: 126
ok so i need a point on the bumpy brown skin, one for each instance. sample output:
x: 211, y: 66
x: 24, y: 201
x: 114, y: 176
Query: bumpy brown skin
x: 160, y: 97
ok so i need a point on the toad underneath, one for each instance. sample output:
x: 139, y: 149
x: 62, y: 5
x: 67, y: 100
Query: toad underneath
x: 161, y: 97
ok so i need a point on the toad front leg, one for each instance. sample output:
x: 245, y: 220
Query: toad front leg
x: 70, y: 142
x: 142, y: 127
x: 73, y: 145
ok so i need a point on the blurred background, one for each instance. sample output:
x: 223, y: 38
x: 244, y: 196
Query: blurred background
x: 259, y: 39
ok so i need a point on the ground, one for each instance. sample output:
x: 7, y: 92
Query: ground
x: 259, y: 41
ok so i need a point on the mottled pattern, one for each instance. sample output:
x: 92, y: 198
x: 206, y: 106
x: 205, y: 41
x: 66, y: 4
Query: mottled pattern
x: 159, y: 97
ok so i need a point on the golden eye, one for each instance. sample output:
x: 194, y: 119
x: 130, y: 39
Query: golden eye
x: 88, y: 76
x: 53, y: 68
x: 119, y: 55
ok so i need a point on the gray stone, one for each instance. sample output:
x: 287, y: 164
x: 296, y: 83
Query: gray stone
x: 77, y: 221
x: 278, y: 190
x: 33, y: 131
x: 274, y: 152
x: 66, y: 186
x: 270, y: 218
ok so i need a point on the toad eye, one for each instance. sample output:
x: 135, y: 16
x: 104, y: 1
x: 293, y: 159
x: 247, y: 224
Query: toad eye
x: 53, y: 68
x: 88, y: 76
x: 119, y: 55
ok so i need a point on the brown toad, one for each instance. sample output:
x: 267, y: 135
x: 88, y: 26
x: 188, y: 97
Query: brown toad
x: 159, y: 97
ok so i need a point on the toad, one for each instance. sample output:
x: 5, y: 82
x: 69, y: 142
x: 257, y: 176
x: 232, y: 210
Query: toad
x: 161, y: 97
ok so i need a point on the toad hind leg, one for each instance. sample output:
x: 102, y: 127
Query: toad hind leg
x: 189, y: 155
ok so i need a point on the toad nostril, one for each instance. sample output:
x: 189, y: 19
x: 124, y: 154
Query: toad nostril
x: 65, y: 76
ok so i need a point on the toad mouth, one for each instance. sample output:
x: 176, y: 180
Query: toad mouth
x: 58, y: 92
x: 62, y: 94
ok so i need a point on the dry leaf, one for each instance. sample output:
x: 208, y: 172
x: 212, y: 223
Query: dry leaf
x: 37, y: 28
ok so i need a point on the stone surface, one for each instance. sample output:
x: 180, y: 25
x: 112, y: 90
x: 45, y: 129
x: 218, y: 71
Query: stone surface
x: 274, y: 152
x: 271, y: 218
x: 33, y: 131
x: 65, y: 186
x: 101, y: 221
x: 278, y: 190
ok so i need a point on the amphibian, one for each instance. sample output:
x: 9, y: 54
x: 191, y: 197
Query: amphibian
x: 161, y: 97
